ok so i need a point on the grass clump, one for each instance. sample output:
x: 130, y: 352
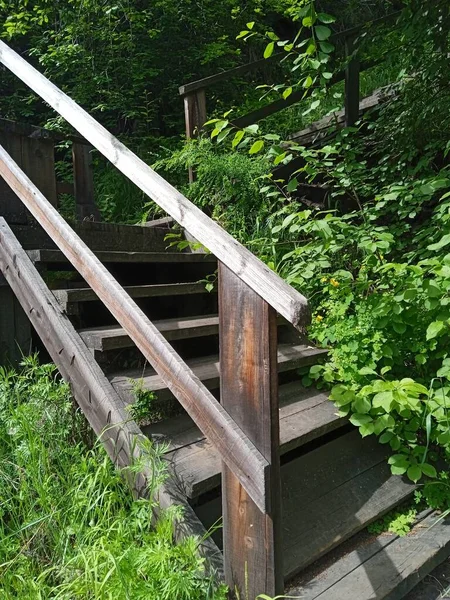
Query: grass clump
x: 69, y: 526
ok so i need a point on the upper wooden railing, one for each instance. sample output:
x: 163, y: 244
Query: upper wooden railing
x: 194, y: 93
x: 244, y: 428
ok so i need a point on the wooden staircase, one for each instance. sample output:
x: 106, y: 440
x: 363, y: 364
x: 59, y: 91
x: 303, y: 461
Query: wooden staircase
x: 334, y: 483
x: 295, y: 480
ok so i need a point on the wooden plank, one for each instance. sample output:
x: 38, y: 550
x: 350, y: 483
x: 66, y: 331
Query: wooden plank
x: 114, y: 337
x: 352, y: 86
x: 281, y: 296
x: 252, y: 550
x: 102, y: 407
x: 64, y: 187
x: 166, y: 222
x: 236, y: 449
x: 305, y: 415
x: 385, y: 571
x: 112, y: 257
x: 207, y: 369
x: 10, y: 206
x: 83, y: 180
x: 38, y: 162
x: 328, y: 495
x: 69, y: 298
x: 38, y: 133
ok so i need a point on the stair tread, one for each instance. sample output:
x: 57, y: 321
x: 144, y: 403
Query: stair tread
x: 118, y: 256
x: 388, y: 566
x: 328, y: 495
x: 68, y: 296
x: 113, y: 337
x: 305, y: 414
x: 207, y: 370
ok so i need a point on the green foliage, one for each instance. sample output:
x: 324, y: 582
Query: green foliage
x: 398, y: 522
x: 69, y: 527
x: 374, y: 260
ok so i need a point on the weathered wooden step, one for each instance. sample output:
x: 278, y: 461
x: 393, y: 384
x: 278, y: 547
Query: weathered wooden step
x: 386, y: 567
x: 207, y: 370
x: 305, y: 414
x: 328, y: 495
x: 56, y: 256
x: 114, y: 337
x: 71, y: 297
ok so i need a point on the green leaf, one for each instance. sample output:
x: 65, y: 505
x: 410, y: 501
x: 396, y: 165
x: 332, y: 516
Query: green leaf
x: 256, y: 147
x: 252, y: 128
x: 383, y: 400
x: 325, y: 18
x: 366, y: 429
x: 434, y: 329
x: 359, y: 420
x: 326, y: 47
x: 322, y: 32
x: 223, y: 134
x: 287, y: 92
x: 414, y: 473
x: 362, y: 405
x: 444, y: 241
x: 237, y: 138
x: 269, y: 50
x: 367, y: 371
x: 428, y: 470
x: 292, y: 185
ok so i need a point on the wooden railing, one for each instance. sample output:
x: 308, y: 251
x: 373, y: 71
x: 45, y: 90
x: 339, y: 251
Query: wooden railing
x: 38, y: 145
x: 194, y: 93
x: 244, y: 428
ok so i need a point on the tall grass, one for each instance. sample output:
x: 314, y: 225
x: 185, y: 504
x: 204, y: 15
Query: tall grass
x: 69, y: 527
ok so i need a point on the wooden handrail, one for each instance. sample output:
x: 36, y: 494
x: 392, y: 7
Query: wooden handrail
x: 281, y: 296
x: 199, y: 84
x: 242, y: 457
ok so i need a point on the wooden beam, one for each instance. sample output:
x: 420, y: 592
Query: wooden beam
x: 240, y: 454
x: 83, y: 180
x: 249, y: 393
x: 352, y: 74
x: 287, y: 301
x: 37, y: 133
x: 195, y: 118
x: 101, y: 405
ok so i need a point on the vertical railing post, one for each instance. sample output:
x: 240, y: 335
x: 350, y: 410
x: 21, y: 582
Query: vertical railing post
x: 83, y: 181
x: 249, y: 393
x: 195, y: 117
x: 352, y: 72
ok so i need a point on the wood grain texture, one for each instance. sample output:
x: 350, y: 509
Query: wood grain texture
x: 387, y: 569
x: 236, y: 449
x: 115, y: 337
x: 281, y: 296
x: 83, y: 181
x: 305, y: 415
x: 121, y: 256
x: 249, y: 392
x: 207, y: 369
x: 102, y: 407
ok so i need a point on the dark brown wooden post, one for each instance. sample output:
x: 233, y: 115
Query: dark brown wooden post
x: 352, y: 72
x: 84, y: 183
x: 195, y: 117
x: 249, y: 393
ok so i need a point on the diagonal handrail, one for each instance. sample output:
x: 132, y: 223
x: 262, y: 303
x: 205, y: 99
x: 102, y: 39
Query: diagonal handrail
x: 235, y: 448
x: 274, y: 290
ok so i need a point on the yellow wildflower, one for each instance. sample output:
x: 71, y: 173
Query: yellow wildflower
x: 319, y: 318
x: 334, y: 283
x: 324, y: 279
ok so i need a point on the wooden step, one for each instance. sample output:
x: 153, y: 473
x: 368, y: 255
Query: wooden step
x: 384, y: 567
x: 305, y: 414
x: 328, y: 495
x: 207, y: 370
x: 56, y: 256
x: 114, y: 337
x: 71, y: 297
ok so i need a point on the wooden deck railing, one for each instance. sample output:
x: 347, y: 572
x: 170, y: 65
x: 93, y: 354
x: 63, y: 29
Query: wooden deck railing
x: 194, y: 93
x: 245, y: 427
